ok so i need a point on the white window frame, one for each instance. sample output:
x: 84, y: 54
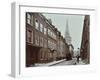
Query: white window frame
x: 28, y: 18
x: 36, y: 24
x: 41, y: 27
x: 45, y: 30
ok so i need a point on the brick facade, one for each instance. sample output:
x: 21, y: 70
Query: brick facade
x: 44, y: 43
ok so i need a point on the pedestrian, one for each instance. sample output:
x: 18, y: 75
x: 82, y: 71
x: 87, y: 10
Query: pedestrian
x: 78, y: 58
x: 78, y: 55
x: 75, y: 63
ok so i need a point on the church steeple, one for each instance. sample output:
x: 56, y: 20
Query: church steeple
x: 67, y: 34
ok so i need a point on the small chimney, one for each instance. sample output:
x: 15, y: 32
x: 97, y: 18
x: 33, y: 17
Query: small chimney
x: 50, y: 21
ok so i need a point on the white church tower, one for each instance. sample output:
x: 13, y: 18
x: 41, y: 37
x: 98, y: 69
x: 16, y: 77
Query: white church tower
x: 67, y: 35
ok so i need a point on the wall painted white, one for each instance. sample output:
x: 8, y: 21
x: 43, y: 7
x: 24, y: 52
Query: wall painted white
x: 5, y: 38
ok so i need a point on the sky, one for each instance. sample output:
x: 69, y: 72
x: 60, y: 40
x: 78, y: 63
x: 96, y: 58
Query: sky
x: 75, y: 25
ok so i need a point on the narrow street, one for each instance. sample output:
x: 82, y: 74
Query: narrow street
x: 61, y: 63
x: 70, y: 62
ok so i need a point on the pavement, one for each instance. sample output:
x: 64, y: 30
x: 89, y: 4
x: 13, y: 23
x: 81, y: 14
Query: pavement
x: 51, y: 63
x: 69, y: 62
x: 61, y: 62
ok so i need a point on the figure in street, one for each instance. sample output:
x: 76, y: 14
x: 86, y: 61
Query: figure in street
x: 78, y: 58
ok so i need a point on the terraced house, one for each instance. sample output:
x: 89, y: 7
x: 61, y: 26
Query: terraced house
x: 44, y: 43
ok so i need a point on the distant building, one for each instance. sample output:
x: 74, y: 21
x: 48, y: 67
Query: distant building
x: 75, y: 53
x: 44, y: 43
x: 85, y: 43
x: 78, y: 52
x: 71, y: 49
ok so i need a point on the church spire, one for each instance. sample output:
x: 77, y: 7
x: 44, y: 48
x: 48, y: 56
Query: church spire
x: 67, y: 29
x: 67, y: 35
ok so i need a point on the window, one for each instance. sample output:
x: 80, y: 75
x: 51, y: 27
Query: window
x: 49, y: 32
x: 29, y: 36
x: 36, y: 39
x: 48, y: 44
x: 54, y: 45
x: 54, y: 36
x: 37, y: 24
x: 45, y: 43
x: 45, y: 30
x: 28, y: 18
x: 41, y: 41
x: 41, y: 27
x: 51, y: 44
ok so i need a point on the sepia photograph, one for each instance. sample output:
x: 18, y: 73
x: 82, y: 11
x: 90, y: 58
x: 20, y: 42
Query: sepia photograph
x: 54, y: 39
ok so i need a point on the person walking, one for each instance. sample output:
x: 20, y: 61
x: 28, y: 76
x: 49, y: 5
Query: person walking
x: 78, y: 58
x: 78, y: 55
